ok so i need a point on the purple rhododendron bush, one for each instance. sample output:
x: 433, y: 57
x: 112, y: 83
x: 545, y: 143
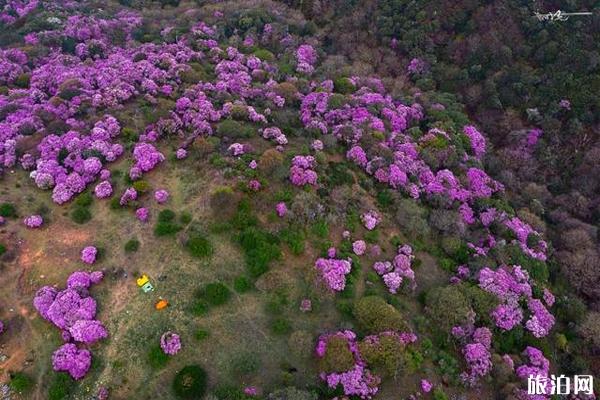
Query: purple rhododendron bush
x: 205, y: 200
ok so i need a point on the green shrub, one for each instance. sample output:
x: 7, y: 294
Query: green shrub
x: 157, y: 359
x: 190, y: 382
x: 201, y: 334
x: 141, y: 186
x: 8, y: 210
x: 166, y: 228
x: 166, y: 225
x: 230, y: 393
x: 166, y: 215
x: 85, y: 199
x: 375, y: 315
x: 320, y: 228
x: 2, y: 249
x: 81, y: 215
x: 438, y: 394
x: 385, y: 198
x: 132, y: 246
x: 264, y: 54
x: 337, y: 357
x: 200, y: 307
x: 233, y: 129
x: 20, y: 382
x: 260, y: 248
x: 215, y: 293
x: 23, y: 80
x: 385, y: 355
x: 447, y: 306
x: 276, y: 303
x: 115, y: 204
x: 242, y: 284
x: 61, y: 387
x: 185, y: 218
x: 294, y: 238
x: 343, y: 85
x: 199, y: 246
x: 281, y: 326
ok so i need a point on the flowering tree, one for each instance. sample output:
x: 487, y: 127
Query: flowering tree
x: 73, y: 311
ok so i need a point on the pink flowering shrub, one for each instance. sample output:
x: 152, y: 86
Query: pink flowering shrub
x: 129, y: 195
x: 370, y: 220
x: 170, y: 343
x: 357, y: 381
x: 477, y: 140
x: 236, y: 149
x: 512, y: 286
x: 180, y: 154
x: 33, y: 221
x: 254, y: 185
x: 146, y: 157
x: 73, y: 311
x: 161, y: 196
x: 69, y: 358
x: 281, y: 209
x: 142, y: 214
x: 333, y: 271
x: 359, y: 247
x: 88, y: 254
x: 394, y: 273
x: 275, y: 134
x: 306, y: 57
x: 103, y: 190
x: 302, y: 171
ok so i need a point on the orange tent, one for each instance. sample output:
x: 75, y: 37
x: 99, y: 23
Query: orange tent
x: 162, y: 303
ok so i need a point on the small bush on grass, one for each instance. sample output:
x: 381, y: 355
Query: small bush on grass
x: 190, y: 382
x: 157, y: 359
x: 215, y: 294
x: 201, y: 334
x: 260, y: 248
x: 8, y: 210
x: 2, y: 249
x: 200, y: 308
x: 199, y: 246
x: 166, y: 215
x: 166, y: 225
x: 61, y: 387
x: 241, y: 284
x: 185, y: 218
x: 230, y: 393
x: 85, y: 199
x: 281, y: 326
x: 81, y: 215
x: 376, y: 315
x: 294, y: 238
x: 132, y: 246
x: 20, y: 382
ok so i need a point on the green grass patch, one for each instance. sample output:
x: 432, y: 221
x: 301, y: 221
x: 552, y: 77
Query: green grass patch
x: 157, y: 359
x: 20, y: 382
x: 199, y: 246
x: 132, y: 246
x: 81, y: 215
x: 190, y: 382
x: 242, y: 284
x: 215, y: 294
x: 8, y: 210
